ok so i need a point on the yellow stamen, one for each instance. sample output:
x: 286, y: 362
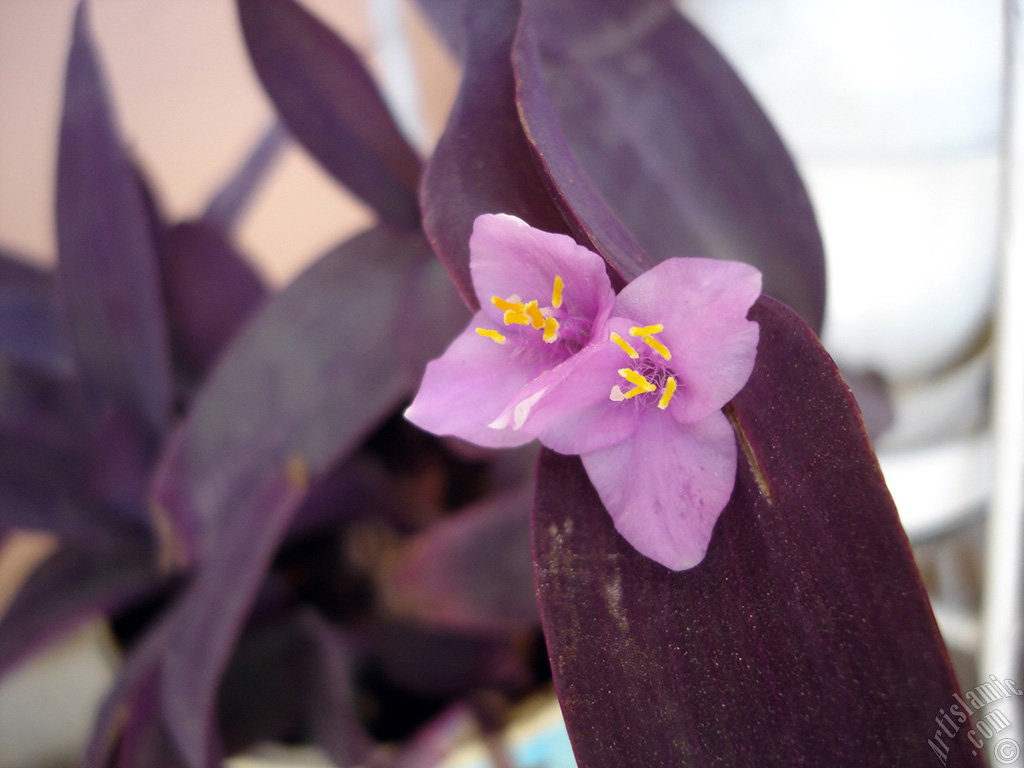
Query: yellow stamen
x: 534, y: 313
x: 550, y: 329
x: 556, y: 293
x: 515, y: 318
x: 487, y: 333
x: 657, y: 346
x: 625, y: 345
x: 506, y: 305
x: 636, y: 380
x: 646, y: 330
x: 666, y: 394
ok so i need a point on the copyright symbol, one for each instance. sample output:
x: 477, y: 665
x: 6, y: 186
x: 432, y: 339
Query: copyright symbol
x: 1006, y: 751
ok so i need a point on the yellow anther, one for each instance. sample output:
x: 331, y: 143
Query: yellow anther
x: 487, y: 333
x: 512, y: 317
x: 533, y: 312
x: 657, y: 346
x: 507, y: 304
x: 646, y: 330
x: 667, y: 392
x: 550, y: 329
x: 625, y: 345
x: 556, y: 293
x: 637, y: 380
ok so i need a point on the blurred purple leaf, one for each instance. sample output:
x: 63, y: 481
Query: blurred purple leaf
x: 210, y: 291
x: 48, y: 446
x: 471, y: 571
x: 805, y: 631
x: 871, y: 392
x: 631, y: 93
x: 229, y: 203
x: 68, y: 589
x: 316, y: 370
x: 482, y: 162
x: 30, y: 326
x: 107, y: 267
x: 331, y: 105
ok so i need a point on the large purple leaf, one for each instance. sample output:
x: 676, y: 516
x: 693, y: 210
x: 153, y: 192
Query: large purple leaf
x: 30, y: 327
x: 804, y: 637
x: 48, y: 462
x: 316, y: 370
x: 669, y: 136
x: 107, y: 253
x: 330, y: 103
x: 210, y: 291
x: 483, y: 162
x: 69, y: 588
x: 470, y: 571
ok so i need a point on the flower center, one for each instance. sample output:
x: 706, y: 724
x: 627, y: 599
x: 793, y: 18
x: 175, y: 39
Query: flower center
x: 528, y: 314
x: 652, y: 374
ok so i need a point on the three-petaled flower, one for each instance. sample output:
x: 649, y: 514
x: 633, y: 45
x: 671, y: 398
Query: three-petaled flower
x: 634, y: 383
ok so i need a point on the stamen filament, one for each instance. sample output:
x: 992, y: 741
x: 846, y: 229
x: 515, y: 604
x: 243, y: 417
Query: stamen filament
x: 666, y: 394
x: 487, y: 333
x: 556, y: 293
x: 646, y: 330
x: 657, y: 346
x: 550, y: 330
x: 625, y: 345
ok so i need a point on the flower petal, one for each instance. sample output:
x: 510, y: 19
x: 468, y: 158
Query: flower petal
x: 508, y: 257
x: 569, y: 408
x: 472, y: 382
x: 666, y: 485
x: 703, y: 304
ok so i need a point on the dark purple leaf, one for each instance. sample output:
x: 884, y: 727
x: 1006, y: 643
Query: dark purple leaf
x: 30, y: 327
x: 229, y: 203
x: 470, y: 571
x: 48, y: 456
x: 633, y: 95
x: 210, y: 291
x: 804, y: 632
x: 332, y: 707
x: 331, y: 105
x: 319, y: 366
x: 107, y: 253
x: 483, y: 162
x: 68, y: 589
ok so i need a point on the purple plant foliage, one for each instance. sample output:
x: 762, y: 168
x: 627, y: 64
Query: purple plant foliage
x: 282, y: 556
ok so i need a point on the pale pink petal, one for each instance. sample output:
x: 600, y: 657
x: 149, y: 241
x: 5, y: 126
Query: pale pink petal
x: 666, y: 485
x: 466, y: 388
x: 509, y: 258
x: 703, y: 304
x: 569, y: 408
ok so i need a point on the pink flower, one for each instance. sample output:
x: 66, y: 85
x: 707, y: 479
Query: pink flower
x: 634, y: 383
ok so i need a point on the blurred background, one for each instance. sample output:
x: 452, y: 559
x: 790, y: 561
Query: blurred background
x: 891, y: 109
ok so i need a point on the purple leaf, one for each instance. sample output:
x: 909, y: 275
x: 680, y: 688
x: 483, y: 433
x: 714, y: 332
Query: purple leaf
x: 69, y: 588
x: 471, y: 571
x: 315, y: 371
x: 482, y: 162
x: 331, y: 105
x: 210, y: 291
x: 229, y: 203
x: 30, y: 326
x: 664, y: 129
x: 806, y: 630
x: 107, y: 253
x: 48, y: 448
